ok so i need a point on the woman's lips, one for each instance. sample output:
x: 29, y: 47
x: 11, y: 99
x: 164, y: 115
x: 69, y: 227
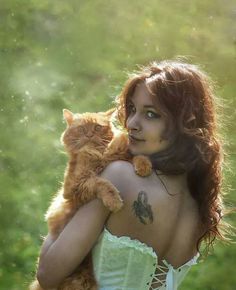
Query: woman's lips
x: 134, y: 139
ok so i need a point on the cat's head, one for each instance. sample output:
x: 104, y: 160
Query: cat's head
x: 92, y: 129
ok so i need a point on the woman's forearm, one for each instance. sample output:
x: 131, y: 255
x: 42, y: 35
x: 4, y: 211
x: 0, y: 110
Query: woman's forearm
x: 60, y: 257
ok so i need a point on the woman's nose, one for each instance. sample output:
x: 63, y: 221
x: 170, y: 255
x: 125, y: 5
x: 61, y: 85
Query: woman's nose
x: 133, y: 123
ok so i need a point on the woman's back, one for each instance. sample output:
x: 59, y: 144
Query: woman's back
x: 151, y: 242
x: 174, y: 230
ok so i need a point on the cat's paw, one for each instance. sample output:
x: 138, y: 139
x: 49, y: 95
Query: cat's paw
x: 142, y: 165
x: 113, y: 202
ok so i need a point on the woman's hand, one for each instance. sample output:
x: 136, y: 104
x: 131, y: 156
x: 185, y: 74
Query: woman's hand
x: 60, y: 257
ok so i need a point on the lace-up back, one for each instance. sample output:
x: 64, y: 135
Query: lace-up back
x: 122, y: 263
x: 159, y: 278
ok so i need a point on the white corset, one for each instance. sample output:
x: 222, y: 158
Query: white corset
x: 122, y: 263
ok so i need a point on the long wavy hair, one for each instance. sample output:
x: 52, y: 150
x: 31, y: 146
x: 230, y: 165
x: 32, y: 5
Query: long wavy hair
x: 184, y: 95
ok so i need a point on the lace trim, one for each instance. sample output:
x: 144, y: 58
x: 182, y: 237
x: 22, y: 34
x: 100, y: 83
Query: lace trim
x: 144, y: 248
x: 191, y: 262
x: 141, y: 246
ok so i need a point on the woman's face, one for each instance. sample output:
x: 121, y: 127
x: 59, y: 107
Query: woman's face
x: 145, y: 123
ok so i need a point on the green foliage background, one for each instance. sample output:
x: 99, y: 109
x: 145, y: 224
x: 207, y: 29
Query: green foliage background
x: 75, y: 54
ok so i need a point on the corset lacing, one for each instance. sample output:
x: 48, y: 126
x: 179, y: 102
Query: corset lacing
x: 159, y: 278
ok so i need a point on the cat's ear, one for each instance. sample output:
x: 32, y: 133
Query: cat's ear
x: 109, y: 112
x: 68, y: 116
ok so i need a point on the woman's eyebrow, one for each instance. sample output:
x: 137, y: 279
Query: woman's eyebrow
x: 149, y: 106
x: 146, y: 106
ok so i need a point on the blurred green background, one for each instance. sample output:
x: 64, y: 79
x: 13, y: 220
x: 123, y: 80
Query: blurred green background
x: 76, y: 54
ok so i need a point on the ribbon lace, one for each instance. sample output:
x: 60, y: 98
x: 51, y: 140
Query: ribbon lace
x: 159, y: 279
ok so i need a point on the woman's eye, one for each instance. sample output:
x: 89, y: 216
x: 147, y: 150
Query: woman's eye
x: 151, y: 114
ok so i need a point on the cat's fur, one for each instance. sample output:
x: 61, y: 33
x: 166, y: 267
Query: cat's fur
x: 91, y: 145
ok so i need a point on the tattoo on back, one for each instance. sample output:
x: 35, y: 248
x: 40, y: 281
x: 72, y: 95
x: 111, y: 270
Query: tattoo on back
x: 142, y: 209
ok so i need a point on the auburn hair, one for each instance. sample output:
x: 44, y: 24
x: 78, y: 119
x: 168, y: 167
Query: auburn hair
x: 184, y: 94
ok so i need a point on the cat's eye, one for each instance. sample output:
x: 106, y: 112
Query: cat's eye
x: 98, y: 128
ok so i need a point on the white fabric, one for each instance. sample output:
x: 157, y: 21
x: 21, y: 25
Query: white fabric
x: 122, y: 263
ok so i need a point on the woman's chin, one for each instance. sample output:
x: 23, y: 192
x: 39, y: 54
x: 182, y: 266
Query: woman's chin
x: 134, y: 151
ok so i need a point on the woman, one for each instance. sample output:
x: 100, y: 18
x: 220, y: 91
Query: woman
x: 169, y: 113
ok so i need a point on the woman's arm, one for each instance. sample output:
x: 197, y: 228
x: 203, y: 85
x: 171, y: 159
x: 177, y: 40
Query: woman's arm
x: 59, y: 258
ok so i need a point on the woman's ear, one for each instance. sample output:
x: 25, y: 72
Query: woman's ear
x: 68, y: 116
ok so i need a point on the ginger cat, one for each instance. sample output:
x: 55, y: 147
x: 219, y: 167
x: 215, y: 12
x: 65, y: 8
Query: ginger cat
x: 91, y: 144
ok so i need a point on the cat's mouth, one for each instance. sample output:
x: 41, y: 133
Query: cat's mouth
x: 94, y: 142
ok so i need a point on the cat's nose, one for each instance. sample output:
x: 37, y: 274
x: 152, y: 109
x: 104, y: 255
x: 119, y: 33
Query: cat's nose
x: 90, y: 134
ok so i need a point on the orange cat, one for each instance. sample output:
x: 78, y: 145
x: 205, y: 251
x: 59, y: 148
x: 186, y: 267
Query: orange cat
x: 90, y: 143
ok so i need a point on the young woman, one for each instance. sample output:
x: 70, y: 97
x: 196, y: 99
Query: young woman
x: 168, y: 110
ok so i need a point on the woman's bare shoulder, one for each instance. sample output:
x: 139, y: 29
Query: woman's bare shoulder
x: 120, y: 173
x: 119, y: 165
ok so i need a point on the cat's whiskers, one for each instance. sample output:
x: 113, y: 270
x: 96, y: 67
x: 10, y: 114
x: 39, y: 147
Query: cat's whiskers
x: 74, y: 144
